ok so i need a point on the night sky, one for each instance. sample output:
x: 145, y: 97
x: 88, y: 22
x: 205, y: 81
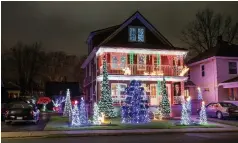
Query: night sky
x: 65, y: 26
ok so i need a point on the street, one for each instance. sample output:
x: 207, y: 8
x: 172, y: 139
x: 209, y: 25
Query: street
x: 19, y: 127
x: 156, y: 138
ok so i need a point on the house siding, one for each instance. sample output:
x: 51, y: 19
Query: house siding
x: 206, y: 83
x: 223, y: 74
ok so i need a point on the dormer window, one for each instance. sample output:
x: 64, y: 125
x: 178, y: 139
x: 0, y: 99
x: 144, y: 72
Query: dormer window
x: 136, y: 34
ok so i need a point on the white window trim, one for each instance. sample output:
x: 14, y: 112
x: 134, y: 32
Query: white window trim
x: 136, y: 27
x: 119, y: 60
x: 116, y: 84
x: 138, y: 65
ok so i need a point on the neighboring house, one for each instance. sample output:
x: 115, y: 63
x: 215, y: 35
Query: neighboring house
x: 134, y: 50
x: 216, y: 72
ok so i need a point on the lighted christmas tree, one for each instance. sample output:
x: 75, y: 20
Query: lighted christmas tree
x: 83, y: 113
x: 75, y: 115
x: 203, y: 115
x: 105, y: 103
x: 185, y: 120
x: 165, y: 105
x: 199, y: 94
x: 188, y: 106
x: 67, y: 107
x: 135, y: 110
x: 96, y: 115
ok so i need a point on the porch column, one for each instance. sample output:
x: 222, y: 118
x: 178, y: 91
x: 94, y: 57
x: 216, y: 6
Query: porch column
x: 182, y: 89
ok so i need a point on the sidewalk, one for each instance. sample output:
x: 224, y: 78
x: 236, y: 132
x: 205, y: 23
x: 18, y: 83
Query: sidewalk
x: 112, y: 132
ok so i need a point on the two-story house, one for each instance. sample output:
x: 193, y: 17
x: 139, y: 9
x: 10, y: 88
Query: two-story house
x: 134, y: 50
x: 216, y: 72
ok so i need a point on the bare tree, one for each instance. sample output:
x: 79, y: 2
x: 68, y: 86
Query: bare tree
x: 25, y: 60
x: 58, y: 66
x: 79, y: 73
x: 201, y: 34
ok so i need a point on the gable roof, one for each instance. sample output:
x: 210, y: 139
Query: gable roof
x: 102, y: 33
x: 102, y: 36
x: 222, y: 49
x: 138, y: 15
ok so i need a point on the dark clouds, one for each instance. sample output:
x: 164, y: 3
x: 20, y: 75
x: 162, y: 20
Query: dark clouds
x: 66, y: 25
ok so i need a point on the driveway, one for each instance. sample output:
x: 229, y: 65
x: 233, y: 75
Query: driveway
x: 18, y: 127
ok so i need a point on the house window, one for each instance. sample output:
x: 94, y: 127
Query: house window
x: 154, y: 99
x: 232, y: 68
x: 136, y: 34
x: 117, y: 92
x: 203, y: 70
x: 141, y: 62
x: 118, y: 61
x: 114, y: 62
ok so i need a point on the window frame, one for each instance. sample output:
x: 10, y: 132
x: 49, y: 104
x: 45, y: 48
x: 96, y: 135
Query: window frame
x: 138, y: 65
x: 232, y: 69
x: 116, y: 84
x: 118, y: 56
x: 203, y: 74
x: 136, y: 27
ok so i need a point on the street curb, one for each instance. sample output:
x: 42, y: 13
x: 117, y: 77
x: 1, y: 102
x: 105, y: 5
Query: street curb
x: 112, y: 132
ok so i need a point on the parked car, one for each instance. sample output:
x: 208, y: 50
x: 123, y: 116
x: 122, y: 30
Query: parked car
x: 22, y: 112
x: 221, y: 110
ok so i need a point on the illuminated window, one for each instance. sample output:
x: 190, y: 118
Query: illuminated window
x: 141, y: 62
x: 123, y: 61
x: 117, y: 93
x: 136, y: 34
x: 114, y: 62
x: 118, y: 61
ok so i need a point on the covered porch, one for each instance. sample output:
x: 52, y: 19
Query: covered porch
x: 231, y: 89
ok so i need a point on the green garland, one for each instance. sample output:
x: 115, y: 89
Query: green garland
x: 131, y: 58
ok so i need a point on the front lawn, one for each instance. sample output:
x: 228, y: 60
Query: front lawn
x: 61, y: 123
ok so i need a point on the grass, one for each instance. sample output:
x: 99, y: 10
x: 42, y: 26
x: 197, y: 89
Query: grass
x: 61, y: 123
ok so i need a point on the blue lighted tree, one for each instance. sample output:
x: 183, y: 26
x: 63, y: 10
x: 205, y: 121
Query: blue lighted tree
x: 135, y: 109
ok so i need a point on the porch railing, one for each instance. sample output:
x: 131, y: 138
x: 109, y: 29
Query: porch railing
x: 137, y: 69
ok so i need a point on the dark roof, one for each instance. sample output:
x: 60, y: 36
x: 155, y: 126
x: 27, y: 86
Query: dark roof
x: 223, y: 49
x: 103, y: 35
x: 235, y: 79
x: 143, y: 45
x: 189, y: 83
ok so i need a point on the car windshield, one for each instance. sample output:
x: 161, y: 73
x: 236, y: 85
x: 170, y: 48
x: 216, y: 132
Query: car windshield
x: 227, y: 105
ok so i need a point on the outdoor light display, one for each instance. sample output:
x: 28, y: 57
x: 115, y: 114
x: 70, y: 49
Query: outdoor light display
x: 199, y: 93
x: 96, y: 115
x: 75, y: 115
x: 139, y: 51
x: 185, y: 119
x: 57, y: 102
x: 203, y: 115
x: 135, y: 110
x: 165, y: 105
x: 68, y: 106
x: 44, y: 101
x: 83, y: 113
x: 105, y: 103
